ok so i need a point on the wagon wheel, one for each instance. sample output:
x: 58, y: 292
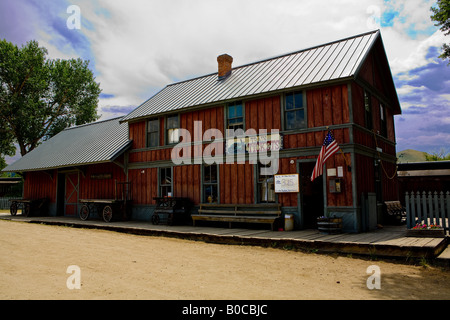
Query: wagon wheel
x: 26, y: 209
x: 107, y: 213
x: 13, y: 208
x: 155, y: 218
x: 84, y: 212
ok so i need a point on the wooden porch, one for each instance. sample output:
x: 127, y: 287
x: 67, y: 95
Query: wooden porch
x: 391, y: 241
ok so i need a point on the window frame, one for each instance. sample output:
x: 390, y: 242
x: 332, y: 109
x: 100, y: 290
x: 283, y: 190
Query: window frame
x: 259, y: 183
x: 211, y: 183
x: 165, y: 185
x: 302, y: 108
x: 166, y: 129
x: 148, y: 133
x: 383, y: 121
x: 368, y: 110
x: 228, y: 118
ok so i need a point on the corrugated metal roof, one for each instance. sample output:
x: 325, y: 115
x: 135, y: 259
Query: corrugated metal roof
x: 96, y: 142
x: 331, y: 61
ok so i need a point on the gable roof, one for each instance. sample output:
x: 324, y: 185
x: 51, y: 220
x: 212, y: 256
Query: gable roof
x: 336, y: 60
x: 97, y: 142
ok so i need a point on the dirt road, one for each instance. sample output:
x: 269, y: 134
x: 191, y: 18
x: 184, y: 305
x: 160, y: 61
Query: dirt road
x: 34, y: 261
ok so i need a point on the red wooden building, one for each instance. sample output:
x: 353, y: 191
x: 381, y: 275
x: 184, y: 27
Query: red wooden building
x: 344, y: 86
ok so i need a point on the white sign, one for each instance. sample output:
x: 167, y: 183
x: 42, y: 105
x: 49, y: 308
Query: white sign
x: 286, y: 183
x: 331, y: 172
x: 340, y: 172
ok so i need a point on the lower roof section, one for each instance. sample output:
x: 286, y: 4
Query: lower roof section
x: 96, y: 142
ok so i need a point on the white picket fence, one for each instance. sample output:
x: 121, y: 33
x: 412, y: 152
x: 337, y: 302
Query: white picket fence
x: 428, y: 207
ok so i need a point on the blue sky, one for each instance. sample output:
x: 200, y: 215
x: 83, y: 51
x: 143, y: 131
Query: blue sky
x: 137, y: 47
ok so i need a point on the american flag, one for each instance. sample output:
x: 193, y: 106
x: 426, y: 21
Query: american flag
x: 329, y: 148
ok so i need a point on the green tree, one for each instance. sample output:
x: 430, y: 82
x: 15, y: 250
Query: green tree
x: 39, y: 97
x: 6, y: 148
x: 442, y: 18
x: 441, y: 155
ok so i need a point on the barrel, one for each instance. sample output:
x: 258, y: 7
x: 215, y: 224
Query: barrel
x: 329, y: 225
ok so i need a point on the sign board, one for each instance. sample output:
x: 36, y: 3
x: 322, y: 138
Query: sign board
x: 254, y: 144
x: 101, y: 176
x: 286, y: 183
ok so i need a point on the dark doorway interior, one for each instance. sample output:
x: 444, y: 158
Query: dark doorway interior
x: 311, y: 195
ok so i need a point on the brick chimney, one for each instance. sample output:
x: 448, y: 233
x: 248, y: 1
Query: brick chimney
x: 225, y: 62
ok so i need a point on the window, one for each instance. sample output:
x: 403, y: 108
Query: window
x: 210, y: 182
x: 235, y: 116
x: 172, y: 129
x: 266, y: 186
x: 153, y: 133
x: 165, y: 182
x: 294, y: 111
x: 383, y: 121
x: 368, y: 110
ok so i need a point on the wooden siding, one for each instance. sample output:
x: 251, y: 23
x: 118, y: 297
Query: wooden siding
x: 92, y: 188
x: 328, y: 106
x: 40, y: 184
x: 236, y: 183
x: 365, y: 173
x: 345, y: 197
x: 210, y: 118
x: 366, y: 138
x: 138, y: 134
x: 390, y: 186
x: 263, y: 114
x: 366, y: 181
x: 144, y: 185
x: 358, y: 112
x: 186, y: 182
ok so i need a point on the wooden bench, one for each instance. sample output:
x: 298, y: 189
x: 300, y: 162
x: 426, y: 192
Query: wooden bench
x: 395, y: 212
x: 247, y: 213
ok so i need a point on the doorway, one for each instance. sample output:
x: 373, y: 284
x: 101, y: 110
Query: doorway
x: 311, y: 204
x: 68, y: 189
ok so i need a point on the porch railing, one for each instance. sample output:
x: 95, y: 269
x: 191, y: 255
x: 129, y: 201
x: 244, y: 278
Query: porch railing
x: 428, y: 207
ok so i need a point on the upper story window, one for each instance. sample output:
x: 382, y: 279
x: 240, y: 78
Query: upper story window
x: 383, y: 124
x: 368, y: 110
x: 235, y: 116
x: 294, y: 111
x: 172, y: 129
x: 153, y: 133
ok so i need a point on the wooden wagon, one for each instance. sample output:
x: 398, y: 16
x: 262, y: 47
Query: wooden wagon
x: 28, y: 206
x: 177, y: 210
x: 118, y: 208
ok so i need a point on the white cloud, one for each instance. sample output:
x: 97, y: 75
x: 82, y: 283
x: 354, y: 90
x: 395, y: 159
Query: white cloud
x: 407, y: 89
x: 407, y: 54
x: 141, y: 46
